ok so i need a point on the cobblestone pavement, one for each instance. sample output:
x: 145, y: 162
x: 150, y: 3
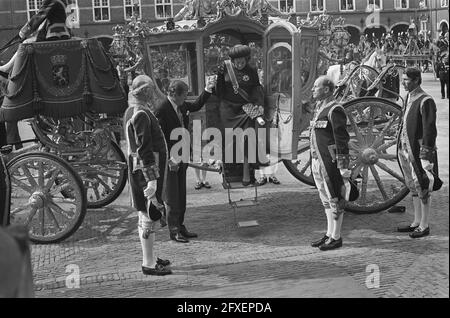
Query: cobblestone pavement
x: 272, y: 260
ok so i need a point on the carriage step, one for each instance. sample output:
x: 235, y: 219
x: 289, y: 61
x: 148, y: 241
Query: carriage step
x: 236, y: 185
x: 242, y: 203
x: 248, y: 223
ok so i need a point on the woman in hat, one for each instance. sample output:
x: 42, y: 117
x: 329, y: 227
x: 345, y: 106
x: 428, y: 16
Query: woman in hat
x: 241, y: 98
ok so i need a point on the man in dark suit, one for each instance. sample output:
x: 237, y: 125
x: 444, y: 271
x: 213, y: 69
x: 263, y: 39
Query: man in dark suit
x: 173, y: 113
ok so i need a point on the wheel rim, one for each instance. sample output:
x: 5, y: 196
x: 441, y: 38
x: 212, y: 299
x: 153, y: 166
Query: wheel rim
x: 103, y: 177
x: 37, y: 199
x: 373, y: 125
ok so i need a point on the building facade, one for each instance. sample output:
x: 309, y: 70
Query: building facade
x: 97, y: 17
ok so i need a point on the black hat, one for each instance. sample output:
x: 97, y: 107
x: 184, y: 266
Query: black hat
x: 239, y: 50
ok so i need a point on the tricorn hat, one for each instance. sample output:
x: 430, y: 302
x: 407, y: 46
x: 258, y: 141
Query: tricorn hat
x: 239, y: 50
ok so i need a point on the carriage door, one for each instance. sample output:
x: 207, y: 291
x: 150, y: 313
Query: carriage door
x: 281, y: 44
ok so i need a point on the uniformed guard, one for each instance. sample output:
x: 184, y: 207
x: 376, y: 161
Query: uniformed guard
x: 416, y: 151
x: 330, y: 160
x: 147, y: 157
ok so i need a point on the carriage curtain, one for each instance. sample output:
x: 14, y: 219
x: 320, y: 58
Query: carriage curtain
x: 62, y: 79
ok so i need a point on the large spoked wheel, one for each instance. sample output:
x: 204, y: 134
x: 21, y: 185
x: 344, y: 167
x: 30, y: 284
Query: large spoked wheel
x: 300, y: 167
x: 372, y: 125
x: 104, y: 177
x: 357, y: 83
x: 47, y: 196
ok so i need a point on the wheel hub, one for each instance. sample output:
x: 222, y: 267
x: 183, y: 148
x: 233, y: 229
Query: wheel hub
x: 369, y: 156
x: 37, y: 200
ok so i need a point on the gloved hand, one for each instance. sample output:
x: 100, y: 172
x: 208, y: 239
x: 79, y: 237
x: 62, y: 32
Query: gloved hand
x: 150, y: 190
x: 260, y: 121
x: 427, y: 165
x: 345, y: 173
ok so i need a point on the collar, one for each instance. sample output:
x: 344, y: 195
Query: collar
x: 175, y: 106
x: 414, y: 94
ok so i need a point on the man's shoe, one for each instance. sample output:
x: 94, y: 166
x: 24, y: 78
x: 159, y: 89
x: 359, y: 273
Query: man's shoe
x: 261, y: 181
x: 331, y: 244
x: 408, y: 228
x: 274, y: 180
x: 320, y: 242
x: 163, y: 262
x: 418, y: 232
x: 159, y: 270
x: 188, y: 234
x: 206, y: 185
x: 198, y: 186
x: 178, y: 237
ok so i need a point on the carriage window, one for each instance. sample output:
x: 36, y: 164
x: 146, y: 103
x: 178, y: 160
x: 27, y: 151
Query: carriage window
x: 217, y: 46
x: 280, y: 68
x: 306, y: 61
x: 174, y: 62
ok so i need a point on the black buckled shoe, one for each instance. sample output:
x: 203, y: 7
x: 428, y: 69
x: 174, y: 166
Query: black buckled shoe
x: 408, y: 228
x: 178, y: 237
x: 418, y: 232
x: 188, y: 234
x: 163, y: 262
x: 320, y: 242
x: 159, y: 270
x: 261, y: 181
x: 274, y: 180
x: 331, y: 244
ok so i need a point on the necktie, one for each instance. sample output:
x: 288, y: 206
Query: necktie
x: 180, y: 116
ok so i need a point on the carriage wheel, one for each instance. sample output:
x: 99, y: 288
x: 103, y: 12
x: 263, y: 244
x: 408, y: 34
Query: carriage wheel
x: 104, y: 177
x: 300, y: 167
x: 37, y: 199
x: 372, y: 125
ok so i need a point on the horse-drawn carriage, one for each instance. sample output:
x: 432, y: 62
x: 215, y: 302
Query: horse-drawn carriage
x: 288, y: 56
x: 69, y: 93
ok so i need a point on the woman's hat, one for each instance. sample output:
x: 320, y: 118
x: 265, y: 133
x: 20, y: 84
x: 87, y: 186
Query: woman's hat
x: 139, y: 83
x: 239, y: 50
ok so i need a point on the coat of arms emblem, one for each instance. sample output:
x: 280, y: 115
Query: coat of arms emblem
x: 60, y: 70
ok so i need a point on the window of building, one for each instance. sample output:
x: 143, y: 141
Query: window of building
x: 401, y: 4
x: 131, y: 7
x: 374, y: 5
x: 101, y: 10
x: 33, y: 7
x: 286, y: 5
x: 347, y: 5
x: 317, y: 5
x: 444, y: 3
x: 163, y: 9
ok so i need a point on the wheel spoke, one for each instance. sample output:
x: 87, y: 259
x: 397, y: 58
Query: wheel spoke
x: 380, y: 137
x: 365, y: 178
x: 41, y: 174
x: 357, y: 170
x: 103, y: 183
x: 58, y: 209
x: 390, y: 171
x: 387, y: 156
x: 21, y: 184
x: 307, y: 165
x: 42, y: 221
x: 378, y: 181
x: 19, y: 209
x: 386, y: 145
x: 107, y: 174
x: 52, y: 216
x: 97, y: 194
x: 370, y: 125
x: 64, y: 200
x: 31, y: 216
x: 59, y: 188
x: 27, y: 173
x: 356, y: 129
x: 52, y: 179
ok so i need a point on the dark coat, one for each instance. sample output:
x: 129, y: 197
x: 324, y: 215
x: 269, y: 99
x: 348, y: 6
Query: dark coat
x: 329, y: 140
x: 420, y: 124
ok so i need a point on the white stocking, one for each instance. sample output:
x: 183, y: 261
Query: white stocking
x: 146, y: 243
x: 417, y: 211
x: 329, y: 214
x: 337, y: 225
x: 425, y: 207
